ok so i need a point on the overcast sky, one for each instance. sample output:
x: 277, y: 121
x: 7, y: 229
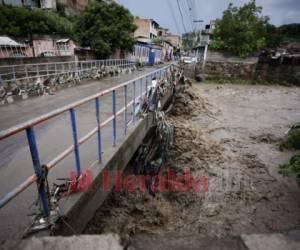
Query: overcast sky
x: 280, y: 11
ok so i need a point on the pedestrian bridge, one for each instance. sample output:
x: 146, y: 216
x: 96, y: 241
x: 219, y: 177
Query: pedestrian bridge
x: 116, y: 109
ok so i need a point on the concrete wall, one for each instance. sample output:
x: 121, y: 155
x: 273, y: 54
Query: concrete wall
x: 216, y: 56
x: 225, y: 65
x: 143, y: 28
x: 285, y: 74
x: 78, y: 209
x: 243, y: 70
x: 29, y: 60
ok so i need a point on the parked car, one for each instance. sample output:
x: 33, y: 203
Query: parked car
x: 188, y: 59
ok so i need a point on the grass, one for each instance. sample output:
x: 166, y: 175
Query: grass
x: 292, y: 167
x: 292, y: 141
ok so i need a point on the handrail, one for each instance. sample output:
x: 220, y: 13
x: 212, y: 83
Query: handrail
x: 13, y: 73
x: 28, y: 126
x: 62, y: 62
x: 35, y: 121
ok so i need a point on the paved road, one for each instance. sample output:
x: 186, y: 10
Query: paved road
x: 52, y: 137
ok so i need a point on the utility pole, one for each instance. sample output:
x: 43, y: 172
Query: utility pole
x: 198, y: 21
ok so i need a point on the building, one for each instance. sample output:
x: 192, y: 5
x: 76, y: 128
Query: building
x: 207, y: 33
x: 175, y: 40
x: 43, y: 4
x: 40, y: 46
x: 52, y: 46
x: 10, y: 48
x: 162, y: 31
x: 147, y: 29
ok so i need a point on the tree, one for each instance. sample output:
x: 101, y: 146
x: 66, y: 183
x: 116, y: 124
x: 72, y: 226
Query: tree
x: 241, y: 30
x: 105, y: 27
x: 273, y: 36
x: 21, y: 22
x: 291, y: 32
x: 190, y: 40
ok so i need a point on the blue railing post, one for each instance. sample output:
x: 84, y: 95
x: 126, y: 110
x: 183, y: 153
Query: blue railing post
x: 37, y: 70
x: 47, y: 69
x: 115, y: 117
x: 75, y: 140
x: 141, y: 94
x: 97, y: 102
x: 125, y: 112
x: 38, y: 170
x: 133, y: 101
x: 147, y: 86
x: 14, y: 74
x: 26, y: 71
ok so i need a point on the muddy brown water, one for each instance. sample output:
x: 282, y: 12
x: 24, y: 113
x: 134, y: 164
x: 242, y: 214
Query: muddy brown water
x: 229, y: 133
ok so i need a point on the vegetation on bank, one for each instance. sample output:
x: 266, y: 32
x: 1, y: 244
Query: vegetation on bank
x: 292, y: 142
x: 244, y: 30
x: 104, y: 27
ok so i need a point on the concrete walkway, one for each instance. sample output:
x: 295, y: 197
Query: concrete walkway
x: 283, y: 241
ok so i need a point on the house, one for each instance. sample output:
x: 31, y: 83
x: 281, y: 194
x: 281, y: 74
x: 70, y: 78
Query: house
x: 42, y: 4
x: 11, y: 48
x: 47, y: 46
x: 147, y: 29
x: 65, y: 47
x: 40, y: 46
x: 175, y: 40
x: 162, y: 31
x: 207, y: 33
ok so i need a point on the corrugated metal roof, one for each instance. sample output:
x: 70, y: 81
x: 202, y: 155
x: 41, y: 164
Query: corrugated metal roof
x: 63, y: 40
x: 6, y: 41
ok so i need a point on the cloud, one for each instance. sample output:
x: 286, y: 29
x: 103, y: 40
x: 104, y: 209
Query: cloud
x: 280, y: 11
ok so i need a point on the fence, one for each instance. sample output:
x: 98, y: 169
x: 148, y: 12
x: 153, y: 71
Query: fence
x: 143, y: 86
x: 32, y: 72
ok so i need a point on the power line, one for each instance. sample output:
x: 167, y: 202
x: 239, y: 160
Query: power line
x: 188, y: 13
x: 174, y: 17
x: 182, y: 20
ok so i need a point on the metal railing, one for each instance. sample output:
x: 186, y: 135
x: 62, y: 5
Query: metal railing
x: 144, y: 85
x: 21, y: 72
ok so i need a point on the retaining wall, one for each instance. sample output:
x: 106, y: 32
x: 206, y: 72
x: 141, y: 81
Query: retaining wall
x: 79, y: 209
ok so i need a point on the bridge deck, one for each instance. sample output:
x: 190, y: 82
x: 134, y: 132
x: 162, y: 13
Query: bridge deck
x: 52, y: 138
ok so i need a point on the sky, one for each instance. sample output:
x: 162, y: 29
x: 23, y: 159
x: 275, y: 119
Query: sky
x: 167, y: 14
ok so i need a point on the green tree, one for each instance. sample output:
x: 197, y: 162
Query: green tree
x: 105, y: 27
x: 190, y: 40
x: 241, y: 30
x: 20, y: 22
x: 273, y: 36
x: 290, y: 32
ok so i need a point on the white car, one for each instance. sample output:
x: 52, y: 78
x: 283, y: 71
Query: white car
x: 189, y: 59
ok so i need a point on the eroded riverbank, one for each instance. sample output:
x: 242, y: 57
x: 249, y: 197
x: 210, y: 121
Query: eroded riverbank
x: 229, y: 134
